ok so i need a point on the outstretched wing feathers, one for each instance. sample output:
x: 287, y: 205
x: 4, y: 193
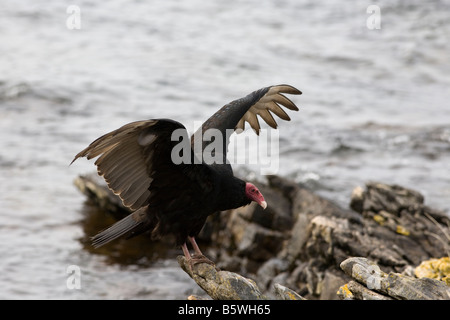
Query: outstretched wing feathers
x: 252, y: 119
x: 137, y: 154
x: 268, y: 118
x: 129, y: 156
x: 264, y: 103
x: 104, y: 143
x: 122, y: 162
x: 271, y: 101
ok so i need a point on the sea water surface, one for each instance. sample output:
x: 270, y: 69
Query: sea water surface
x: 375, y: 106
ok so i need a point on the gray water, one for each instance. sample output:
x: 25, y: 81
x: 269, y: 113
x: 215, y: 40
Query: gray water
x: 374, y: 107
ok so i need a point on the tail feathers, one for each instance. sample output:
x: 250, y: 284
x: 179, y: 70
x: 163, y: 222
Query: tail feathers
x: 133, y: 222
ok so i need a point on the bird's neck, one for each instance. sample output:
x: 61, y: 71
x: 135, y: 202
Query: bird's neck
x: 232, y: 194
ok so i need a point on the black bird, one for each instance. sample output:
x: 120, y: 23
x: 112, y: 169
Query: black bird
x: 176, y: 197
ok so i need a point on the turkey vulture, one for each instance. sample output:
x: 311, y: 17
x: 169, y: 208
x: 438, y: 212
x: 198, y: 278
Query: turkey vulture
x: 136, y: 161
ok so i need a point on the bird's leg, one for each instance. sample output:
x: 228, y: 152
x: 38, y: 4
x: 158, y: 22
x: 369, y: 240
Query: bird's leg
x: 199, y: 257
x: 197, y: 250
x: 187, y: 255
x: 186, y: 251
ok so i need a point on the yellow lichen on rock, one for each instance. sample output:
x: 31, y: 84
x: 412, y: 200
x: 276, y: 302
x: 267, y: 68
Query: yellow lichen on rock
x: 379, y: 219
x: 402, y: 230
x: 345, y: 293
x: 434, y: 269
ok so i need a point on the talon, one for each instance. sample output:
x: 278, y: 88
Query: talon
x: 196, y: 259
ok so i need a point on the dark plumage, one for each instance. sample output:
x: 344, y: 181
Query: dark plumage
x: 136, y: 161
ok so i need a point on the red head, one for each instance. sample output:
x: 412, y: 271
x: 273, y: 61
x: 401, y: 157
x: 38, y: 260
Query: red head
x: 253, y: 194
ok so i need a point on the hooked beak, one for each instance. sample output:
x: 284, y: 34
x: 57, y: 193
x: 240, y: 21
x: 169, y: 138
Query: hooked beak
x: 263, y: 204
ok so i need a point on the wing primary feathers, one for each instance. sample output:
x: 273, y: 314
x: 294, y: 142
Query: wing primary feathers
x: 268, y: 118
x: 108, y: 141
x: 285, y: 88
x: 264, y: 103
x: 126, y: 157
x: 281, y: 99
x: 272, y: 100
x: 275, y: 108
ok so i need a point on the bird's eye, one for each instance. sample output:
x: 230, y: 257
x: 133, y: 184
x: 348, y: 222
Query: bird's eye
x: 253, y: 190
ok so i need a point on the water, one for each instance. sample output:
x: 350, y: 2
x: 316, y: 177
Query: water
x: 375, y: 107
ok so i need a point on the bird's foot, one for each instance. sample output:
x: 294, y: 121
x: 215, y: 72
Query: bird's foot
x: 200, y: 258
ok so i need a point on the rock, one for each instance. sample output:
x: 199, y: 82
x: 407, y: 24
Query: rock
x: 345, y: 293
x: 355, y: 291
x: 269, y: 270
x: 391, y: 284
x: 322, y: 232
x: 258, y: 243
x: 225, y: 285
x: 332, y: 281
x: 357, y: 199
x: 412, y: 231
x: 435, y: 269
x: 221, y: 285
x: 286, y: 294
x: 306, y: 202
x: 247, y: 238
x: 330, y: 240
x: 298, y: 238
x: 380, y: 196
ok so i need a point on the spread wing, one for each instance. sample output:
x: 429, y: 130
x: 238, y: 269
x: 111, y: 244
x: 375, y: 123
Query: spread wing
x: 136, y: 162
x: 270, y: 102
x: 263, y: 103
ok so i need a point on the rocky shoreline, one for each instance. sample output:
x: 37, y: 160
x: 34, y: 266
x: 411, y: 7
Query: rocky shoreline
x: 307, y: 244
